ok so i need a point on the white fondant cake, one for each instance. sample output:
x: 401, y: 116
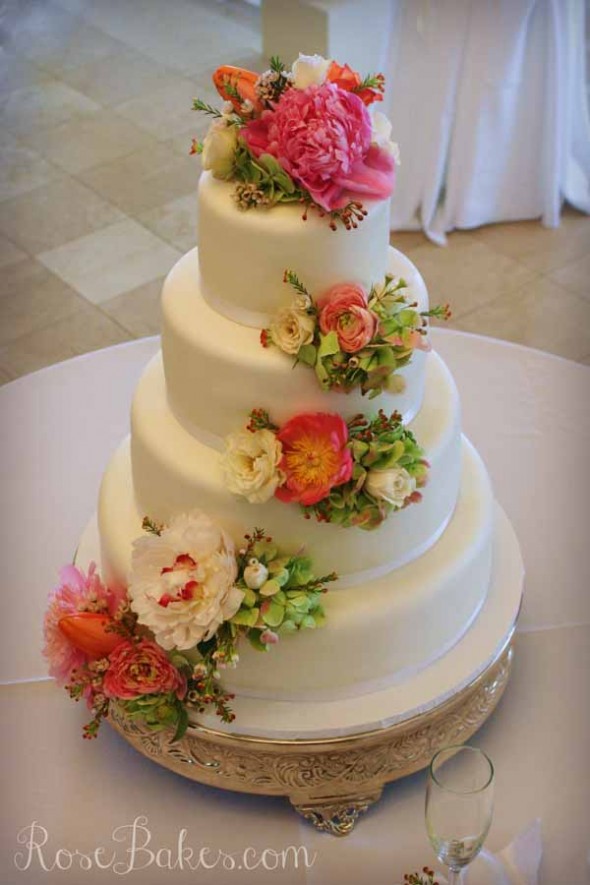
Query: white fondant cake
x: 409, y: 589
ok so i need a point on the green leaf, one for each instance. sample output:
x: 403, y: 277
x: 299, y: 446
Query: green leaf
x: 309, y: 622
x: 328, y: 345
x: 288, y: 626
x: 359, y: 449
x: 250, y: 598
x: 182, y: 722
x: 269, y: 588
x: 272, y: 613
x: 308, y: 354
x: 245, y: 617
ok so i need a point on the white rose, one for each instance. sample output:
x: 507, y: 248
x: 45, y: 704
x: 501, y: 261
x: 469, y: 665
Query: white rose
x: 251, y: 464
x: 291, y: 329
x: 309, y: 70
x: 381, y: 135
x: 219, y: 147
x: 181, y: 584
x: 393, y: 485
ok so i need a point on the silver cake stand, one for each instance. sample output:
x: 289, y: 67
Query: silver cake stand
x: 332, y: 760
x: 329, y: 781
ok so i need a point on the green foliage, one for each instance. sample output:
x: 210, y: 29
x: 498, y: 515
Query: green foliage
x: 199, y: 105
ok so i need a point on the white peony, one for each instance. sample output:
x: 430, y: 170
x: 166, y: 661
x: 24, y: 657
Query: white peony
x: 309, y: 70
x: 251, y: 464
x: 219, y: 147
x: 393, y: 485
x: 182, y: 582
x: 381, y: 135
x: 291, y: 329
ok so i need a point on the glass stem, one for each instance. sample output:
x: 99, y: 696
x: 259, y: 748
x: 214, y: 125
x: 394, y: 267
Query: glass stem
x: 454, y: 876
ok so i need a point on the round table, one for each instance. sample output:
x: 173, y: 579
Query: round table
x: 83, y: 812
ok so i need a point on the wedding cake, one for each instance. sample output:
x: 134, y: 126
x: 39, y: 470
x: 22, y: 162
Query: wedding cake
x: 296, y: 390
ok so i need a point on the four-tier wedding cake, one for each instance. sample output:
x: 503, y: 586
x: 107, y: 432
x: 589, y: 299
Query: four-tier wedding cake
x: 295, y: 391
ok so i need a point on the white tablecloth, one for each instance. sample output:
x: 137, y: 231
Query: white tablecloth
x: 527, y: 412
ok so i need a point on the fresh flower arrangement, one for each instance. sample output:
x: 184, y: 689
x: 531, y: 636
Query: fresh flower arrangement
x: 303, y: 135
x: 157, y: 647
x: 350, y: 337
x: 351, y: 473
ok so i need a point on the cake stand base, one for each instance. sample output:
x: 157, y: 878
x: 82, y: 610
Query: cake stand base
x: 329, y: 781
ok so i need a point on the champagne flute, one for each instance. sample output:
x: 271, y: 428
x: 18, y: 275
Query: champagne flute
x: 459, y: 804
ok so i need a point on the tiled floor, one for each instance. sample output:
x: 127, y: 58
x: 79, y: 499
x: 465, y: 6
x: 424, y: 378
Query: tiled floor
x: 97, y: 191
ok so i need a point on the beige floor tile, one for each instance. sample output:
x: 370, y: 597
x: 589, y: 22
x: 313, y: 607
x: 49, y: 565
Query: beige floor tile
x: 45, y: 104
x: 111, y: 261
x: 541, y: 314
x: 120, y: 77
x: 9, y: 253
x: 18, y: 73
x: 57, y: 40
x: 30, y: 298
x: 406, y: 240
x: 585, y: 360
x: 166, y: 112
x: 575, y: 276
x: 145, y: 179
x: 22, y: 170
x: 182, y: 142
x: 175, y: 222
x: 138, y: 311
x: 178, y: 38
x: 54, y: 214
x: 466, y: 272
x: 5, y: 377
x: 86, y: 329
x: 541, y: 248
x: 90, y: 141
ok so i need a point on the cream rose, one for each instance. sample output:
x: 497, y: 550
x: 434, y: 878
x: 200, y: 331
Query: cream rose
x: 291, y: 329
x: 381, y: 135
x: 219, y: 147
x: 181, y: 584
x: 309, y: 70
x: 251, y: 464
x: 393, y: 485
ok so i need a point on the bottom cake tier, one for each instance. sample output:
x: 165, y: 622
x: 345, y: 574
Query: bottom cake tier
x: 377, y: 634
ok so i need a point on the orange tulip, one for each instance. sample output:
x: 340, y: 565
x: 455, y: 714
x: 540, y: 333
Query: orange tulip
x: 87, y: 632
x: 241, y: 80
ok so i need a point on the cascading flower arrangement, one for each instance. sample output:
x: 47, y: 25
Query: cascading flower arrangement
x: 352, y: 338
x: 156, y: 649
x: 304, y: 135
x: 350, y: 473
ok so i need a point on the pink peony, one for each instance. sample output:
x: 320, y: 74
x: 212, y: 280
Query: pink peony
x: 321, y: 136
x: 343, y: 309
x: 77, y: 593
x: 141, y: 668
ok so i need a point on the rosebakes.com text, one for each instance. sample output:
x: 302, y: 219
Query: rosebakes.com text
x: 132, y: 849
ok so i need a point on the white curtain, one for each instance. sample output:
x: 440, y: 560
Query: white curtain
x: 488, y: 103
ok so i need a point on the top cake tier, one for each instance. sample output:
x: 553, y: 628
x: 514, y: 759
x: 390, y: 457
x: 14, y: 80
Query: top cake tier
x: 243, y: 255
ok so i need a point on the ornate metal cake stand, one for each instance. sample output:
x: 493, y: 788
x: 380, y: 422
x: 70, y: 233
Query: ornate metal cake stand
x: 329, y: 781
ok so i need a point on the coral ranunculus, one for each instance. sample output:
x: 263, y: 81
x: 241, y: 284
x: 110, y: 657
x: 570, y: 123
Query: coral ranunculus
x: 141, y: 668
x: 321, y: 136
x: 343, y: 309
x: 315, y: 457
